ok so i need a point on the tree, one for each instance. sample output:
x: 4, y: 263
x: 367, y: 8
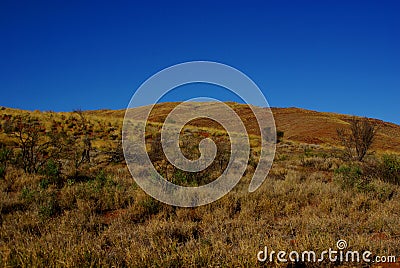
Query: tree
x: 36, y: 145
x: 5, y: 155
x: 358, y: 139
x: 87, y: 143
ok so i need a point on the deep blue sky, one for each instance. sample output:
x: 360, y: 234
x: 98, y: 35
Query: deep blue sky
x: 339, y: 56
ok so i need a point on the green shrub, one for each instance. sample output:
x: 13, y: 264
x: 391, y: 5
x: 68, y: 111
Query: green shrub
x: 51, y: 169
x: 5, y: 155
x: 2, y: 171
x: 52, y: 173
x: 49, y: 208
x: 279, y: 136
x: 102, y: 179
x: 179, y: 177
x: 144, y: 208
x: 278, y: 157
x: 44, y: 183
x: 352, y: 177
x: 27, y: 194
x: 390, y: 169
x: 308, y: 152
x: 150, y: 206
x: 383, y: 191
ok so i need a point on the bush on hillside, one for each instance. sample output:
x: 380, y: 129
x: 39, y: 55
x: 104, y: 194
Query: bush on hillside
x: 390, y: 169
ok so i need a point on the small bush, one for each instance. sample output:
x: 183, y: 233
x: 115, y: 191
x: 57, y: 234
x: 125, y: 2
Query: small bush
x: 313, y: 162
x: 150, y: 205
x: 308, y: 152
x: 52, y: 172
x: 320, y: 163
x: 144, y: 208
x: 27, y: 194
x: 4, y: 154
x: 101, y: 178
x: 279, y: 136
x: 44, y: 183
x: 278, y: 157
x: 179, y: 177
x: 383, y: 191
x: 4, y: 158
x: 49, y: 208
x: 278, y: 173
x: 2, y: 171
x: 51, y: 169
x: 390, y: 169
x: 358, y: 139
x: 352, y: 177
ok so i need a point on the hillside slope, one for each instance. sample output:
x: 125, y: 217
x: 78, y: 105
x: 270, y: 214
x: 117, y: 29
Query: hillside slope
x: 74, y: 205
x: 298, y: 124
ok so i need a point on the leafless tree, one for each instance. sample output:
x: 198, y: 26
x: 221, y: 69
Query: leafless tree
x: 358, y: 139
x: 87, y: 143
x: 36, y: 145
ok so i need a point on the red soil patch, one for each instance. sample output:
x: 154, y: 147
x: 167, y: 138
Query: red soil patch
x: 379, y: 236
x: 109, y: 216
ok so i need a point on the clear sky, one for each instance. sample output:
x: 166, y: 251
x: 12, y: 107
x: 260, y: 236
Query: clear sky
x: 339, y: 56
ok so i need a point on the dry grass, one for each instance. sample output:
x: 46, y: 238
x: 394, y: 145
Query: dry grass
x: 104, y: 219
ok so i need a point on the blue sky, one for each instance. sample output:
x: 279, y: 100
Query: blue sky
x: 339, y: 56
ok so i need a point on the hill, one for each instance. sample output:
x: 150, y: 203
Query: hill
x: 68, y: 199
x: 299, y: 125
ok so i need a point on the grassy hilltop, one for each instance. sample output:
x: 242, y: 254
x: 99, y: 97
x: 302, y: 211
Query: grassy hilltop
x: 68, y: 199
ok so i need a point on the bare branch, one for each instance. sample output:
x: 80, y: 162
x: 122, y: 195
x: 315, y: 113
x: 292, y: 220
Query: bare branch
x: 359, y: 138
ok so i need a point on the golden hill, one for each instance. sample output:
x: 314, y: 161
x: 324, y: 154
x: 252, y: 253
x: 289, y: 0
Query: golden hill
x: 77, y: 212
x: 299, y: 125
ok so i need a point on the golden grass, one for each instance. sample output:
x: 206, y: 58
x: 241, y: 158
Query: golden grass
x: 105, y: 219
